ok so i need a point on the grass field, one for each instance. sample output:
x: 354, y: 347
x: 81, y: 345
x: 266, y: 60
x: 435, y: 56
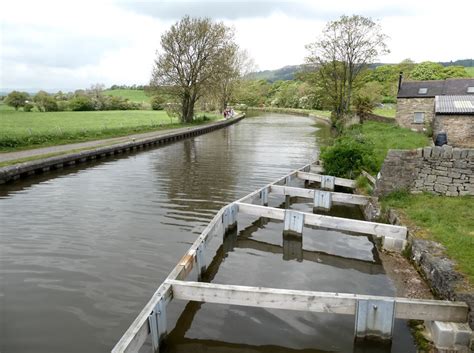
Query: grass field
x: 470, y: 71
x: 447, y: 220
x: 390, y: 136
x: 134, y: 95
x: 388, y: 111
x: 21, y: 130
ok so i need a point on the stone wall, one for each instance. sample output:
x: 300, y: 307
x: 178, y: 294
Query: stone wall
x: 440, y: 170
x: 406, y: 107
x: 379, y: 118
x: 459, y: 128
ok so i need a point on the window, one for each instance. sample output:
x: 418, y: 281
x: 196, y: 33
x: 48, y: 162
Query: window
x: 470, y: 89
x: 419, y: 118
x: 423, y: 91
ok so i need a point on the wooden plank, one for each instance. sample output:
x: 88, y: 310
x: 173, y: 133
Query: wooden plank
x: 309, y: 194
x: 344, y: 224
x: 255, y: 195
x: 321, y: 302
x: 138, y: 331
x: 318, y: 177
x: 369, y: 177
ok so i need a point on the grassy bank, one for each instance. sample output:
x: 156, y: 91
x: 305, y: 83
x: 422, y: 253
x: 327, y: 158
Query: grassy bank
x: 388, y: 111
x: 23, y: 130
x: 388, y: 136
x: 447, y: 220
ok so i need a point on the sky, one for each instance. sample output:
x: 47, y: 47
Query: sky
x: 69, y: 45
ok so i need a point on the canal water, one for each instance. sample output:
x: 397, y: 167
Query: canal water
x: 82, y: 250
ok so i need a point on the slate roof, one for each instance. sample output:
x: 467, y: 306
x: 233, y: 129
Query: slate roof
x: 411, y: 89
x: 454, y: 105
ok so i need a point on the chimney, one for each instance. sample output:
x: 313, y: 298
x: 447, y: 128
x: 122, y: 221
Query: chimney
x: 400, y: 79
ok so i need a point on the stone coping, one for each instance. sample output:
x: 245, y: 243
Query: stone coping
x: 22, y: 170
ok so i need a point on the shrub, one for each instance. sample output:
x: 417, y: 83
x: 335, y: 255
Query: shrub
x: 348, y: 155
x: 16, y: 99
x: 363, y: 105
x: 157, y: 103
x: 81, y: 103
x: 28, y: 107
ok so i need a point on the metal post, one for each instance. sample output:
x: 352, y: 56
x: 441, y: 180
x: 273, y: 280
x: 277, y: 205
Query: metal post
x: 322, y: 200
x: 374, y: 319
x: 264, y: 196
x: 294, y: 222
x: 201, y: 259
x: 158, y: 325
x: 327, y: 182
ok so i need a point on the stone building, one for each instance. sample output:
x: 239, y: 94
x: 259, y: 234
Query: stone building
x: 454, y: 115
x: 416, y: 100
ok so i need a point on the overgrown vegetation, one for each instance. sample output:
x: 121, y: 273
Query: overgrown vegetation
x: 447, y: 220
x: 365, y: 147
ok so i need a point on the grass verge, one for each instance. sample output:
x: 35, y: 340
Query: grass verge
x: 25, y: 130
x: 388, y: 112
x: 389, y: 136
x: 447, y: 220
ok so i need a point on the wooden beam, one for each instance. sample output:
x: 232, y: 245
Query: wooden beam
x: 321, y: 302
x: 349, y: 183
x: 309, y: 194
x: 344, y: 224
x: 137, y: 333
x: 321, y: 257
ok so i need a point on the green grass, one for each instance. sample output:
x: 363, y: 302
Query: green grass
x: 134, y: 95
x: 388, y: 111
x: 447, y: 220
x: 22, y: 130
x: 470, y: 71
x: 390, y: 136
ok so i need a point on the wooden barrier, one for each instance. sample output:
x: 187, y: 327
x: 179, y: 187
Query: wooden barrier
x: 374, y: 315
x: 350, y: 225
x: 320, y: 302
x: 348, y: 183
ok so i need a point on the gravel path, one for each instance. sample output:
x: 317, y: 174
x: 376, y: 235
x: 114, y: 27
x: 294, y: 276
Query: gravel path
x: 10, y: 156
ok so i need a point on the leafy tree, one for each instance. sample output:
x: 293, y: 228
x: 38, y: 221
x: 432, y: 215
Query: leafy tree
x: 433, y: 71
x: 81, y: 103
x: 157, y: 103
x: 191, y: 56
x: 16, y: 99
x: 343, y: 51
x: 45, y: 102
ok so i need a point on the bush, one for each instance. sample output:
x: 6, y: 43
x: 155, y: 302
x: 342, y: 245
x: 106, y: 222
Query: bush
x: 157, y: 103
x: 28, y: 107
x: 16, y: 99
x: 63, y: 105
x: 348, y: 155
x: 81, y: 103
x: 363, y: 105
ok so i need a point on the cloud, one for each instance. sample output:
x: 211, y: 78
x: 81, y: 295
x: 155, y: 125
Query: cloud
x: 244, y: 9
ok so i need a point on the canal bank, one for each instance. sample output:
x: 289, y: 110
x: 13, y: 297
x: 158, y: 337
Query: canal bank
x: 82, y: 252
x: 77, y: 155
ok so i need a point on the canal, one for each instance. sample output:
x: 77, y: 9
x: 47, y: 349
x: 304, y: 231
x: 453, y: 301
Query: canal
x: 82, y: 250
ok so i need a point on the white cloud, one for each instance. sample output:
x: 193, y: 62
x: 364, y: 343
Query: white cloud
x: 68, y: 45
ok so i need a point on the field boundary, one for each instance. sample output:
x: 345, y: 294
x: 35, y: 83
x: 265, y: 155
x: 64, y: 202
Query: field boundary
x: 23, y: 170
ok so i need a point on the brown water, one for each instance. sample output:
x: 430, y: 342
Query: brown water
x: 82, y: 250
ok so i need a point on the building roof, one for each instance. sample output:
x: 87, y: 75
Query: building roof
x: 454, y: 104
x: 430, y: 89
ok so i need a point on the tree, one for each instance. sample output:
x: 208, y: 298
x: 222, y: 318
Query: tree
x: 192, y: 54
x: 434, y: 71
x: 16, y: 99
x: 343, y: 51
x: 45, y: 102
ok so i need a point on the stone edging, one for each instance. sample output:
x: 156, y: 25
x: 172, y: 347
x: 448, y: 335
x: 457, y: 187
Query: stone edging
x: 22, y: 170
x: 437, y: 269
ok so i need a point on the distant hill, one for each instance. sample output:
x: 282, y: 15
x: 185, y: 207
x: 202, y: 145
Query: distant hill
x: 287, y: 73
